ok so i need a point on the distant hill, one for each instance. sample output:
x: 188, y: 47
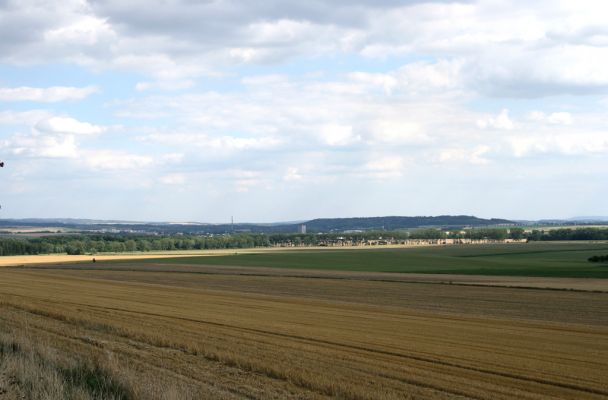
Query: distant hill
x: 589, y: 219
x: 394, y: 222
x: 315, y: 225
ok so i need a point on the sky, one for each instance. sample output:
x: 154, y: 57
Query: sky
x: 280, y: 110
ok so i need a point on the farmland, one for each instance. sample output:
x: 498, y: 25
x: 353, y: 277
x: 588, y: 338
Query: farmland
x: 211, y: 327
x: 530, y: 259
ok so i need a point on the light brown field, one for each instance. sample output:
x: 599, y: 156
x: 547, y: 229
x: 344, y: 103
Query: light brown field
x: 186, y: 334
x: 11, y: 261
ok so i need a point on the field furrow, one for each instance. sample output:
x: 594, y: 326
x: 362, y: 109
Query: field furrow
x: 247, y: 344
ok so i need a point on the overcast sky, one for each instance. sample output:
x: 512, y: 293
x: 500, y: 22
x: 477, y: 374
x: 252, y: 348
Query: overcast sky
x: 275, y: 110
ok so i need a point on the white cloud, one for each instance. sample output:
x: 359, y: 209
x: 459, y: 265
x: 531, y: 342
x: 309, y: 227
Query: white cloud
x: 352, y: 93
x: 426, y: 76
x: 67, y: 125
x: 395, y: 130
x: 208, y: 142
x: 555, y: 118
x: 165, y: 85
x: 501, y: 121
x: 385, y: 81
x: 531, y: 49
x: 46, y: 95
x: 23, y: 117
x: 42, y: 146
x: 292, y: 174
x: 337, y: 135
x: 278, y: 114
x: 173, y: 179
x: 86, y: 31
x: 265, y: 80
x: 172, y: 158
x: 115, y: 160
x: 460, y: 155
x: 383, y: 166
x: 561, y: 144
x: 245, y: 180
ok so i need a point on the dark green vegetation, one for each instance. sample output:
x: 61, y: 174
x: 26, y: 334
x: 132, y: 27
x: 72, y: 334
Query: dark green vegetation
x: 117, y: 243
x: 600, y: 259
x: 569, y: 234
x: 530, y: 259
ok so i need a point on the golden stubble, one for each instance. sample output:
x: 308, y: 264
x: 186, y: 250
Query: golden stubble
x: 237, y: 344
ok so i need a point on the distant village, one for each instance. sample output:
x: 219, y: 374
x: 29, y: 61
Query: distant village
x: 397, y: 242
x: 353, y: 241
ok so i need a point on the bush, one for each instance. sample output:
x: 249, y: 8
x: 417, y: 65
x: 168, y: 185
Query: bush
x: 598, y: 259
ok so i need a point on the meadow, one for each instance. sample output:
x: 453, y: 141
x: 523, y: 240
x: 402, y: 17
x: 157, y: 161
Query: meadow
x: 179, y: 329
x: 551, y: 259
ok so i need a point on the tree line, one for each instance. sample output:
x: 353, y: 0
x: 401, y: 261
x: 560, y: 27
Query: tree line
x: 116, y: 243
x: 596, y: 259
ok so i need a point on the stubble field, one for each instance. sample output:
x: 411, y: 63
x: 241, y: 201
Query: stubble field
x: 160, y: 329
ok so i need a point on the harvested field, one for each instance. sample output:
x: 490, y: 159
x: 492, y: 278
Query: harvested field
x: 122, y: 269
x: 11, y: 261
x: 226, y: 335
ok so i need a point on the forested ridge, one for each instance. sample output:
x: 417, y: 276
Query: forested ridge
x: 397, y: 222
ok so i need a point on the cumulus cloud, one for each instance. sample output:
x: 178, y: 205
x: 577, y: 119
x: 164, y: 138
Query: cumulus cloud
x: 562, y: 144
x: 281, y: 115
x: 164, y: 85
x: 292, y: 174
x: 501, y: 121
x: 556, y: 118
x: 398, y: 130
x: 382, y: 166
x: 493, y: 47
x: 306, y: 94
x: 46, y: 95
x: 275, y: 112
x: 67, y: 125
x: 23, y: 117
x: 246, y: 180
x: 115, y: 160
x: 173, y: 179
x: 337, y: 135
x: 42, y: 146
x: 222, y: 144
x: 460, y: 155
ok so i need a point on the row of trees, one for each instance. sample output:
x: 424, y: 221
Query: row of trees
x: 598, y: 258
x: 90, y: 244
x: 570, y: 234
x: 115, y: 243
